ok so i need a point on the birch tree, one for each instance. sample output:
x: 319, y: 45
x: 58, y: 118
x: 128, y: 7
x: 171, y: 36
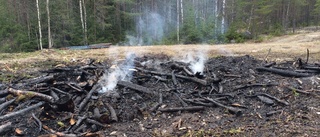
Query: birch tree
x: 85, y: 22
x: 181, y: 7
x: 81, y: 15
x: 39, y: 24
x: 49, y: 31
x: 178, y: 22
x: 223, y: 16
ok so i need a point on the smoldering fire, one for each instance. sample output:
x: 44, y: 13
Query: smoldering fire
x: 118, y: 72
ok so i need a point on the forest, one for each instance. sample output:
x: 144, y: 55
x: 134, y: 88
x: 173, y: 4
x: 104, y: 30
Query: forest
x: 29, y: 25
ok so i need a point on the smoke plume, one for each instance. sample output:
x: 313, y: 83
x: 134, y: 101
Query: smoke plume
x: 119, y: 72
x: 150, y: 30
x: 196, y: 59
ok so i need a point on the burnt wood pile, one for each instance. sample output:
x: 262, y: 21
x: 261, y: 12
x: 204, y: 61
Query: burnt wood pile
x: 65, y: 101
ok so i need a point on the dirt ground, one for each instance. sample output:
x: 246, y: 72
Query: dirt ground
x: 267, y: 107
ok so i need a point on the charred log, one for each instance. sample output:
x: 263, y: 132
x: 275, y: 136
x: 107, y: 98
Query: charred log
x: 175, y: 109
x: 283, y: 72
x: 135, y: 87
x: 20, y: 112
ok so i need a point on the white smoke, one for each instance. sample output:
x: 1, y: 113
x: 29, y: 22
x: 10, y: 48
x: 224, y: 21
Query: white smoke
x: 198, y: 64
x: 196, y: 59
x: 122, y: 72
x: 225, y: 52
x: 149, y: 30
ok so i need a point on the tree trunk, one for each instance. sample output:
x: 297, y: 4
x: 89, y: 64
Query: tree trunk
x: 81, y: 15
x: 251, y: 16
x: 294, y: 17
x: 287, y: 16
x: 39, y: 23
x: 49, y: 31
x: 181, y: 2
x: 216, y: 16
x: 223, y: 16
x: 178, y: 22
x: 85, y: 22
x: 95, y: 16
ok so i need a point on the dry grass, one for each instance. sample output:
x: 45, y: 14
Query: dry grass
x: 282, y: 48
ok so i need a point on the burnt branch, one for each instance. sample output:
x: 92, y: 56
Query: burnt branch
x: 103, y: 118
x: 184, y: 104
x: 266, y: 57
x: 32, y: 94
x: 193, y: 79
x: 198, y: 101
x: 2, y: 100
x: 157, y: 105
x: 21, y: 112
x: 315, y: 69
x: 175, y: 109
x: 38, y: 121
x: 135, y: 87
x: 92, y: 121
x: 5, y: 104
x: 307, y: 56
x: 87, y: 98
x: 254, y: 85
x: 5, y: 127
x: 302, y: 91
x: 38, y: 80
x: 231, y: 109
x: 113, y: 114
x: 269, y: 64
x: 174, y: 79
x: 273, y: 112
x: 283, y: 72
x: 60, y: 134
x: 275, y: 98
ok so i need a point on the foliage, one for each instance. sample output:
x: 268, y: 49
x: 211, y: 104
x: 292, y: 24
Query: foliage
x: 237, y: 36
x: 110, y: 21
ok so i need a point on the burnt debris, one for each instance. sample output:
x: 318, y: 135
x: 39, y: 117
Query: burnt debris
x: 68, y: 100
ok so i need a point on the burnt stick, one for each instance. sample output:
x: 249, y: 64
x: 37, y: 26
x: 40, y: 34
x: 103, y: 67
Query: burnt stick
x: 193, y: 79
x: 5, y: 127
x: 113, y: 114
x: 32, y: 94
x: 283, y: 72
x: 174, y: 79
x: 175, y: 109
x: 87, y: 98
x: 5, y: 104
x: 20, y: 112
x: 135, y: 87
x: 181, y: 100
x: 157, y: 105
x: 231, y: 109
x: 38, y: 121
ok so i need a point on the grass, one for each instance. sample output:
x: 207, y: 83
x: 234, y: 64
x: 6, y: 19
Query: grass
x: 282, y: 48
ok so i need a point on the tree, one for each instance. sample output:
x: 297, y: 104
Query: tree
x: 49, y: 31
x: 83, y: 20
x: 39, y: 24
x: 178, y: 22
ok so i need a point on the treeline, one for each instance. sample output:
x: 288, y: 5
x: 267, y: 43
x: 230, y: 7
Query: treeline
x: 28, y: 25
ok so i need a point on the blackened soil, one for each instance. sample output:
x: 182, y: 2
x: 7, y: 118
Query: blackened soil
x: 267, y: 107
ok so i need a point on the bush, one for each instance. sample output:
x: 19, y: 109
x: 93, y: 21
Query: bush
x: 239, y: 36
x: 276, y: 30
x: 232, y: 34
